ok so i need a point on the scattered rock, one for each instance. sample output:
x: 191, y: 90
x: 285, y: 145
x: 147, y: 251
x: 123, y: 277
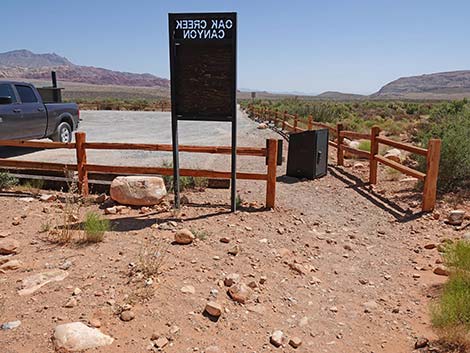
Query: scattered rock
x: 441, y: 271
x: 262, y: 126
x: 456, y: 217
x: 430, y: 246
x: 65, y: 265
x: 231, y: 279
x: 47, y: 198
x: 239, y: 292
x: 111, y: 210
x: 295, y: 342
x: 9, y: 246
x: 160, y: 342
x: 95, y: 323
x: 213, y: 309
x: 184, y: 237
x: 10, y: 265
x: 138, y: 190
x: 32, y: 283
x: 76, y: 336
x: 234, y: 251
x: 188, y: 290
x: 370, y: 306
x: 421, y: 342
x: 263, y: 279
x: 10, y: 325
x: 393, y: 154
x: 101, y: 198
x: 277, y: 338
x: 71, y: 303
x: 225, y: 240
x: 4, y: 234
x: 127, y: 315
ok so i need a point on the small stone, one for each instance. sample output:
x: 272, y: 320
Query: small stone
x: 127, y: 315
x: 421, y: 342
x: 239, y: 293
x: 9, y: 246
x: 370, y: 306
x: 441, y: 271
x: 161, y: 342
x: 111, y: 210
x: 10, y: 325
x: 295, y: 342
x: 252, y: 285
x: 184, y: 237
x: 77, y: 291
x: 430, y: 246
x: 277, y: 338
x: 65, y: 265
x: 225, y: 240
x: 101, y: 198
x: 76, y: 336
x: 263, y: 279
x: 213, y: 309
x: 334, y: 309
x: 188, y: 290
x: 231, y: 279
x: 10, y: 265
x: 95, y: 323
x: 47, y: 198
x: 71, y: 303
x: 234, y: 251
x: 456, y: 217
x: 416, y: 275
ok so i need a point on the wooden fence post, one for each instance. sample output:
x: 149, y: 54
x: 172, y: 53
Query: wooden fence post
x: 374, y: 150
x: 310, y: 122
x: 339, y: 150
x: 432, y: 171
x: 284, y: 116
x: 80, y: 138
x: 271, y: 182
x: 296, y: 122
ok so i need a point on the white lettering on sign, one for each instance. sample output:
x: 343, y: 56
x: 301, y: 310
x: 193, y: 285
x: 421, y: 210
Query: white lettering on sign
x: 198, y: 29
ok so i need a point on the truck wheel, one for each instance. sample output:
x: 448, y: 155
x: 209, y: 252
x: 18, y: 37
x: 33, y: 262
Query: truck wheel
x: 63, y: 133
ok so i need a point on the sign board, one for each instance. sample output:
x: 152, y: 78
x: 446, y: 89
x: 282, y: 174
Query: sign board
x: 203, y: 62
x: 203, y: 65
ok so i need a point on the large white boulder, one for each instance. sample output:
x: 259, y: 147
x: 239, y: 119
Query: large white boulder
x: 138, y: 190
x: 76, y: 336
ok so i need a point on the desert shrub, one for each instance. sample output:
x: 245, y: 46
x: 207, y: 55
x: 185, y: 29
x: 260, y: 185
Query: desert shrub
x: 364, y: 145
x: 94, y: 227
x: 451, y: 312
x: 7, y: 180
x: 151, y: 257
x: 186, y: 182
x: 450, y: 123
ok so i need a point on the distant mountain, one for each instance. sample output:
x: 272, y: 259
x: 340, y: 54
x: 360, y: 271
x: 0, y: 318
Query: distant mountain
x: 333, y: 95
x: 28, y: 65
x: 442, y: 85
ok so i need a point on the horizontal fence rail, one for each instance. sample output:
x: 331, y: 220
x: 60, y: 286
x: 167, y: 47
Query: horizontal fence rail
x: 82, y: 167
x: 290, y: 123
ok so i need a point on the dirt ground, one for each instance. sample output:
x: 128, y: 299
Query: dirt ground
x: 340, y: 266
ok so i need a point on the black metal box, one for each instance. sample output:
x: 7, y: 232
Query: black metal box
x: 308, y: 154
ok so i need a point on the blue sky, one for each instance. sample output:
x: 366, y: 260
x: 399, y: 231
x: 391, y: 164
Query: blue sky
x: 296, y: 45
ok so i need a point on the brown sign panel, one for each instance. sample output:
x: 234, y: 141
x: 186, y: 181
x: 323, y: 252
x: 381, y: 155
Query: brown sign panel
x: 203, y: 66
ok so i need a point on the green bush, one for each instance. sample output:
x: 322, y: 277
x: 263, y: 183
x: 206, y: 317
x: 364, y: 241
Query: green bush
x: 186, y: 182
x: 364, y: 145
x: 7, y: 180
x: 450, y: 123
x: 95, y: 227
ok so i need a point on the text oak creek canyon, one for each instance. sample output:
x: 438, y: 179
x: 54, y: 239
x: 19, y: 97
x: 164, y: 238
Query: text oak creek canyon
x: 201, y: 29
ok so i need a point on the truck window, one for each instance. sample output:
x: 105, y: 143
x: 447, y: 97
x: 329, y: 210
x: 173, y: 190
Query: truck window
x: 7, y: 91
x: 26, y: 94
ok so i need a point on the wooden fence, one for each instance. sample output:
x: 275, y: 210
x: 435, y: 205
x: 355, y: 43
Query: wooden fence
x: 83, y: 167
x: 291, y: 123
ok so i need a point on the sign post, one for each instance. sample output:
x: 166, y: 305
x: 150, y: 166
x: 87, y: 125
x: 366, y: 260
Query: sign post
x: 203, y: 66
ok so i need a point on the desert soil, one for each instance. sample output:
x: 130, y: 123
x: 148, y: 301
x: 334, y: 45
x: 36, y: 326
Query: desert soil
x: 339, y: 266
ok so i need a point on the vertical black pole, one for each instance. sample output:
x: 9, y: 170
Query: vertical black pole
x: 174, y: 118
x: 234, y: 120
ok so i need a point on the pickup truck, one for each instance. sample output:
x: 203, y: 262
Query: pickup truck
x: 24, y: 115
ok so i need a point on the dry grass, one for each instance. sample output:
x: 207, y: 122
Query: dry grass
x: 152, y: 256
x: 94, y: 227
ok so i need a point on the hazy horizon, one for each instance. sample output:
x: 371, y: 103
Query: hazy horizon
x: 301, y: 46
